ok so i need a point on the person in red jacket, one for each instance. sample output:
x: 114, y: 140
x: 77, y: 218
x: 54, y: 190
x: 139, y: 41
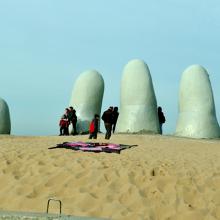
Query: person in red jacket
x: 94, y: 127
x: 64, y: 124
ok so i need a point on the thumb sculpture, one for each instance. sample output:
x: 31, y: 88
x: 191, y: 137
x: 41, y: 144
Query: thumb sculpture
x: 138, y: 105
x: 5, y: 123
x: 86, y: 98
x: 197, y: 117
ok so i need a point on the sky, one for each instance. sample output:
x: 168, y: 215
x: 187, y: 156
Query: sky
x: 46, y: 44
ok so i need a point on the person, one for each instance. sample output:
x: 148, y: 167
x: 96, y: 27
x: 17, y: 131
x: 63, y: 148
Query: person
x: 115, y: 118
x: 72, y: 118
x: 161, y: 118
x: 94, y: 127
x: 64, y: 125
x: 66, y: 113
x: 107, y: 117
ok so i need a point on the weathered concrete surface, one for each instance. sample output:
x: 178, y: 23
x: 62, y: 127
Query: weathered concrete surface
x: 87, y: 98
x: 197, y: 117
x: 5, y: 122
x: 138, y: 105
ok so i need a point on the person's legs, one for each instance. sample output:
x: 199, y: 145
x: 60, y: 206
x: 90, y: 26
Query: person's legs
x: 161, y: 129
x: 66, y: 131
x: 74, y: 127
x: 61, y: 131
x: 106, y: 134
x: 95, y: 135
x: 110, y: 131
x: 108, y: 128
x: 113, y: 128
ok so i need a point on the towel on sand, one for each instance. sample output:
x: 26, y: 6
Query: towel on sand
x: 93, y: 147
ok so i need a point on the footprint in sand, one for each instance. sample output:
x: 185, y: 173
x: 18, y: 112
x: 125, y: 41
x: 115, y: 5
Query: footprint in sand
x: 131, y: 176
x: 8, y: 162
x: 124, y: 198
x: 81, y: 174
x: 107, y: 177
x: 144, y: 192
x: 23, y: 190
x: 41, y: 163
x: 159, y: 171
x: 21, y: 156
x: 33, y: 194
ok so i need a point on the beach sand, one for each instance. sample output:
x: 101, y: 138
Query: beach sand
x: 164, y: 177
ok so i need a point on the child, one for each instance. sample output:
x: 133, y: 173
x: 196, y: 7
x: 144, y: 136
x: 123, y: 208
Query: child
x: 64, y: 124
x: 94, y: 127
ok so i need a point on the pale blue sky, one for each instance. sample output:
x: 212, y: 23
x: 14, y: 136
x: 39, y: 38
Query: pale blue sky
x: 46, y: 44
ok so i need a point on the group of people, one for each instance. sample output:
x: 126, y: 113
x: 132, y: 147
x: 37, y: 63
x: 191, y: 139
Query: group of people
x: 69, y: 117
x: 109, y: 117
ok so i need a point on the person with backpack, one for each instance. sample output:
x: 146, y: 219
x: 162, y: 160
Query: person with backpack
x: 94, y: 127
x: 161, y: 118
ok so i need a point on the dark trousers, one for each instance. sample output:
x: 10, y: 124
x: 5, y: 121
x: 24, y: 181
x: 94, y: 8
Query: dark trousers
x: 74, y: 127
x: 161, y: 128
x: 93, y: 135
x: 64, y: 131
x: 108, y: 128
x: 113, y: 128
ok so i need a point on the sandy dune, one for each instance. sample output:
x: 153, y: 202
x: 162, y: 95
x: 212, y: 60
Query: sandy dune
x: 162, y: 178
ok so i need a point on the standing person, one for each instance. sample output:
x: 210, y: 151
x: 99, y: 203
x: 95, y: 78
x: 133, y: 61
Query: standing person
x: 66, y: 113
x: 161, y: 118
x: 115, y: 118
x: 72, y: 118
x: 94, y: 127
x: 64, y: 125
x: 107, y: 117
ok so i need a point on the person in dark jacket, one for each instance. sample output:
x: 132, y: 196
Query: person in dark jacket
x: 107, y: 117
x: 161, y: 118
x: 72, y: 118
x: 115, y: 118
x: 94, y: 127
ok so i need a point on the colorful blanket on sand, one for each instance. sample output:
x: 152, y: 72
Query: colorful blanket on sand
x: 93, y: 147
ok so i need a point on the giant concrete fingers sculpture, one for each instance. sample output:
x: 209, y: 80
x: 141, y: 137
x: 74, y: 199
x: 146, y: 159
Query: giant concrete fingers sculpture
x: 197, y: 118
x: 86, y: 98
x: 5, y: 123
x: 138, y: 105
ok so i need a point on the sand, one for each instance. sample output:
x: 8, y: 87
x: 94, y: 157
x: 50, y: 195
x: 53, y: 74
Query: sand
x: 164, y: 177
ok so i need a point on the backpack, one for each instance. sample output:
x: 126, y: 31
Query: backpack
x: 92, y: 127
